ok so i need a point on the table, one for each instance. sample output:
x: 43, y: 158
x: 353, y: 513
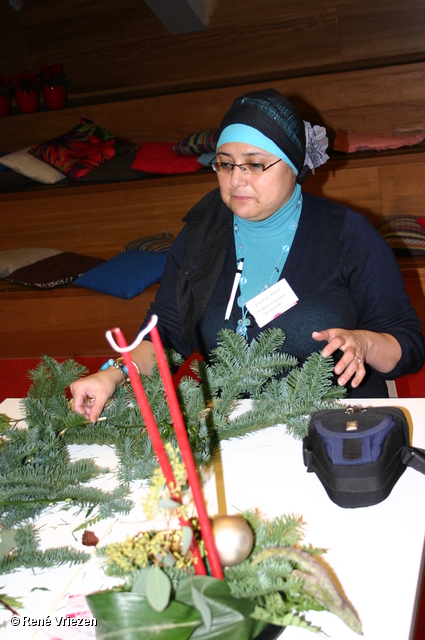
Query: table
x: 376, y: 552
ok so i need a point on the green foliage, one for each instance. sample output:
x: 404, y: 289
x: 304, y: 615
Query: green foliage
x: 279, y: 582
x: 36, y: 470
x: 203, y: 607
x: 230, y: 616
x: 26, y: 553
x: 116, y: 611
x: 10, y: 603
x: 285, y: 579
x: 158, y: 588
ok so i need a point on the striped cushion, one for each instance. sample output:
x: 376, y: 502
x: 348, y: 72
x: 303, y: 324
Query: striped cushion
x: 198, y: 143
x: 404, y: 234
x: 161, y: 242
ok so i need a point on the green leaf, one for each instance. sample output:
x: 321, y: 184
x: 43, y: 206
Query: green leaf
x: 7, y: 541
x: 129, y: 616
x: 158, y: 588
x: 230, y: 616
x: 15, y: 603
x: 187, y: 537
x: 168, y: 559
x: 139, y: 585
x: 167, y: 503
x: 201, y: 604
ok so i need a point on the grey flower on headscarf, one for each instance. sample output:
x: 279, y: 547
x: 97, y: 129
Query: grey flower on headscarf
x: 316, y: 145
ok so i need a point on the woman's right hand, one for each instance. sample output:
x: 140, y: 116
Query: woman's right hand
x: 91, y: 393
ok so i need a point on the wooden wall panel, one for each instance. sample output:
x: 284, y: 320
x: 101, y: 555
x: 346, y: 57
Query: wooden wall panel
x: 403, y: 189
x: 357, y: 188
x: 116, y: 50
x: 48, y: 25
x: 381, y: 28
x: 53, y: 218
x: 12, y: 38
x: 161, y: 62
x: 67, y: 322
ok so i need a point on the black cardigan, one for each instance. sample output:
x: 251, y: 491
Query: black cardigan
x: 343, y: 272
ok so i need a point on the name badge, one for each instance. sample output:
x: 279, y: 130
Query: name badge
x: 272, y: 302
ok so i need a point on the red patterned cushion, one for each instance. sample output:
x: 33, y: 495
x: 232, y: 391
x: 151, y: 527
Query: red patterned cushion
x: 159, y: 158
x: 82, y: 149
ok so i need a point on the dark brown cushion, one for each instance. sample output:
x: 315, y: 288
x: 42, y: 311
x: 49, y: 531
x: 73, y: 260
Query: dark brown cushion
x: 54, y: 271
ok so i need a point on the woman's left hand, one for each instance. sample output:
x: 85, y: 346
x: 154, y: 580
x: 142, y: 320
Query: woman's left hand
x: 354, y: 353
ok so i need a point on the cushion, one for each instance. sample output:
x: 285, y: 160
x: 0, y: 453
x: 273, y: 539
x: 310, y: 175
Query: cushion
x: 125, y: 275
x: 351, y: 142
x: 161, y: 242
x: 2, y: 166
x: 82, y: 149
x: 117, y: 169
x: 197, y: 143
x: 23, y: 162
x: 404, y: 234
x: 13, y: 181
x: 159, y: 158
x: 16, y: 258
x: 55, y: 271
x: 421, y: 221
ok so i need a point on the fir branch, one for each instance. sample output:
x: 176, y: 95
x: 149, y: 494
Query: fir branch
x: 28, y: 554
x: 53, y: 557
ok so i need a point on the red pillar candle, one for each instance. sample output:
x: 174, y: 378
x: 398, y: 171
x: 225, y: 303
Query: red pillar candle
x: 187, y: 455
x: 155, y: 437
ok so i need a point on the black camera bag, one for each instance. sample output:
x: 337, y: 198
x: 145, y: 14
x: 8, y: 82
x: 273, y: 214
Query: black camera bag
x: 359, y: 453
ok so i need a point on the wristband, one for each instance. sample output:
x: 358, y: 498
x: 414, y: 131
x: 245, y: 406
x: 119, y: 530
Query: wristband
x: 119, y: 364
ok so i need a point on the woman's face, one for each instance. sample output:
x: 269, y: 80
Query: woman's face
x: 254, y: 197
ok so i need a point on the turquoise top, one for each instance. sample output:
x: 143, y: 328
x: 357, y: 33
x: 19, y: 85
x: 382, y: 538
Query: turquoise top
x: 264, y: 245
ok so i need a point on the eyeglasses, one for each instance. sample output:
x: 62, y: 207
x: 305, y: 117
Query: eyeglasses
x: 250, y: 168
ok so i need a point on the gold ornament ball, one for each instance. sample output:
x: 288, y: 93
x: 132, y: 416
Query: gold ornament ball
x: 233, y: 538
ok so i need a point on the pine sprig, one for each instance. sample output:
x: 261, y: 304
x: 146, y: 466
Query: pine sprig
x: 27, y: 553
x: 238, y: 369
x: 53, y: 557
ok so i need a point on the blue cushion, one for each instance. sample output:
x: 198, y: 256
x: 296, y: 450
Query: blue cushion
x: 3, y: 166
x: 125, y: 275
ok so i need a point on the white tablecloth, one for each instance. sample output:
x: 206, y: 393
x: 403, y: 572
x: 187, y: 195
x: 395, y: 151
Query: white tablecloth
x: 376, y: 552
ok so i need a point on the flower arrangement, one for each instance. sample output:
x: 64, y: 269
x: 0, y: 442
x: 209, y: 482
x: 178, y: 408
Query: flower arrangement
x: 25, y: 81
x: 52, y: 76
x: 270, y: 578
x: 163, y: 584
x: 250, y: 573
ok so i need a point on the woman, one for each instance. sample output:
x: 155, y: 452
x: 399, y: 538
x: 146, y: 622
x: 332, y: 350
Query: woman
x: 318, y: 270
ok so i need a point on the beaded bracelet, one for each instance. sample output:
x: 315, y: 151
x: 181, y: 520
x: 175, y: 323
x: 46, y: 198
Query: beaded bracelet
x: 120, y: 365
